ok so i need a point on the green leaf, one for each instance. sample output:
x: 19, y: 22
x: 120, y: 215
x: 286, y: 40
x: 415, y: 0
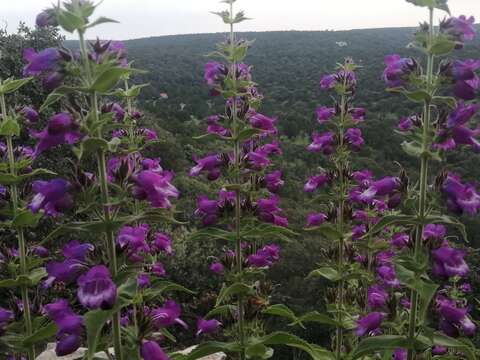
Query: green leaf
x: 442, y: 46
x: 25, y: 218
x: 445, y: 219
x: 450, y: 101
x: 32, y: 279
x: 10, y: 179
x: 41, y: 335
x: 326, y: 272
x: 101, y: 20
x: 316, y: 317
x: 248, y: 133
x: 418, y: 96
x: 10, y: 127
x: 391, y: 220
x: 437, y: 4
x: 159, y: 288
x: 258, y: 351
x: 451, y: 343
x: 238, y: 289
x: 328, y: 231
x: 373, y: 344
x: 69, y: 21
x: 10, y: 85
x: 209, y: 348
x: 92, y: 145
x: 57, y: 95
x: 283, y: 311
x: 221, y: 310
x: 284, y: 338
x: 109, y: 78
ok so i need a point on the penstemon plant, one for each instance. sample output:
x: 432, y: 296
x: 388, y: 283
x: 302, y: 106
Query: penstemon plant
x: 247, y: 209
x: 425, y: 262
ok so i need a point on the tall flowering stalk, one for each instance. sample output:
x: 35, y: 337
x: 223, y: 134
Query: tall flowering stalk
x: 429, y: 267
x: 247, y: 209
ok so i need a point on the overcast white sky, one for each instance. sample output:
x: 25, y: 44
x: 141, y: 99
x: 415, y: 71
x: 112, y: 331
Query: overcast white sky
x: 143, y: 18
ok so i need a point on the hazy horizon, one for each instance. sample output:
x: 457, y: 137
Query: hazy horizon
x: 152, y: 18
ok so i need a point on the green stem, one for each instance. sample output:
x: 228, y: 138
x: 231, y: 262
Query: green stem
x: 236, y: 155
x: 22, y: 247
x: 105, y: 197
x: 422, y: 202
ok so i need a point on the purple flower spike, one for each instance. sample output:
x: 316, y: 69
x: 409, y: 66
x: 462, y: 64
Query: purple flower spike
x: 207, y: 326
x: 156, y: 188
x: 51, y: 196
x: 322, y: 143
x: 167, y: 315
x: 43, y: 61
x: 448, y: 261
x: 325, y: 114
x: 398, y: 70
x: 150, y: 350
x: 377, y: 297
x: 315, y: 182
x: 369, y: 324
x: 96, y: 289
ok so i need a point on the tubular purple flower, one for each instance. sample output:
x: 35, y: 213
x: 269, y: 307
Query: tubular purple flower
x: 217, y: 268
x: 163, y: 242
x: 66, y: 272
x: 324, y: 114
x: 316, y: 219
x: 434, y: 231
x: 46, y: 18
x: 400, y: 354
x: 382, y: 187
x: 400, y: 240
x: 207, y: 326
x: 30, y: 114
x: 210, y: 164
x: 51, y: 196
x: 273, y: 181
x: 357, y: 114
x: 159, y: 270
x: 315, y: 182
x: 156, y: 188
x: 405, y: 124
x: 353, y: 137
x: 462, y: 114
x: 386, y: 274
x: 265, y: 123
x: 215, y: 128
x: 358, y: 231
x: 369, y: 324
x: 328, y: 82
x: 67, y: 345
x: 76, y: 250
x: 398, y: 70
x: 40, y: 251
x: 96, y: 289
x: 269, y: 211
x: 150, y: 350
x: 167, y: 315
x: 38, y: 63
x: 207, y: 210
x: 322, y: 143
x: 132, y: 239
x: 143, y: 281
x: 377, y: 296
x: 448, y: 261
x: 52, y: 80
x: 461, y: 28
x: 460, y: 197
x: 6, y: 316
x: 462, y: 135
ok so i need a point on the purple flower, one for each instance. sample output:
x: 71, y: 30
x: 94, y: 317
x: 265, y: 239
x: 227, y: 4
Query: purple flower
x: 386, y: 274
x: 398, y: 70
x: 448, y: 261
x: 133, y: 240
x: 215, y: 72
x: 61, y: 129
x: 265, y: 123
x: 269, y: 211
x: 357, y: 114
x: 274, y: 181
x: 46, y: 18
x: 6, y: 316
x: 369, y: 324
x: 76, y: 250
x: 215, y: 128
x: 69, y: 326
x: 265, y: 257
x: 400, y: 354
x: 163, y: 242
x: 462, y: 114
x: 460, y: 197
x: 324, y: 114
x: 405, y: 124
x: 51, y: 196
x: 353, y: 137
x: 454, y: 318
x: 66, y: 271
x: 316, y: 219
x: 159, y: 270
x: 466, y: 288
x: 96, y: 289
x: 150, y: 350
x: 400, y: 240
x: 439, y: 350
x: 434, y: 231
x: 315, y: 182
x: 363, y: 177
x: 382, y: 187
x: 207, y: 210
x: 462, y: 135
x: 258, y: 160
x: 322, y: 143
x: 167, y: 315
x: 156, y: 188
x: 377, y: 296
x: 38, y: 63
x: 210, y: 164
x: 40, y: 251
x: 461, y: 28
x: 30, y: 114
x: 405, y: 302
x: 328, y: 82
x: 358, y: 231
x: 207, y: 326
x: 143, y: 281
x: 217, y: 268
x: 52, y: 80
